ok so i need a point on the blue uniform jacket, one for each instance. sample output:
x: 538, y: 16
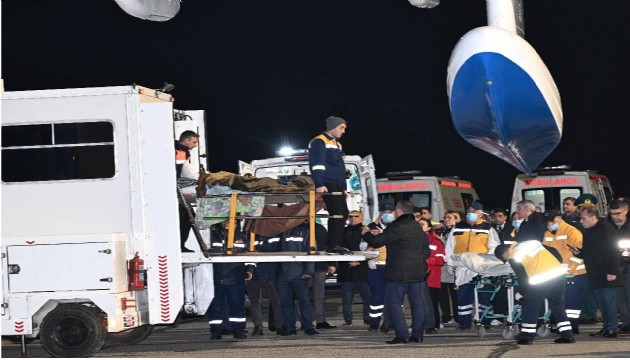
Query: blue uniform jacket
x: 267, y: 271
x: 295, y: 240
x: 325, y: 160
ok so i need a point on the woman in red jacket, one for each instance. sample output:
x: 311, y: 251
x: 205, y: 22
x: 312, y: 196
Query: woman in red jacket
x: 435, y: 261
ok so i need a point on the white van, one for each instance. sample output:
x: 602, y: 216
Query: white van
x: 360, y: 177
x: 549, y: 186
x: 439, y: 194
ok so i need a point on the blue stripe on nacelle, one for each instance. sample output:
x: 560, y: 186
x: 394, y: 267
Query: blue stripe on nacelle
x: 497, y: 107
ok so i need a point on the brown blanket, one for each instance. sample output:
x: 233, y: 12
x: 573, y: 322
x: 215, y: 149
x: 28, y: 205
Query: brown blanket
x: 299, y: 183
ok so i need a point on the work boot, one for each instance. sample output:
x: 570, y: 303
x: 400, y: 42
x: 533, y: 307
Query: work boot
x: 311, y: 331
x: 257, y: 331
x: 239, y: 334
x: 564, y: 341
x: 339, y: 250
x: 599, y: 333
x: 325, y: 325
x: 396, y: 340
x: 415, y: 339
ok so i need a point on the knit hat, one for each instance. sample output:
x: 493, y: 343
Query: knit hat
x: 477, y: 205
x: 386, y: 207
x: 333, y: 121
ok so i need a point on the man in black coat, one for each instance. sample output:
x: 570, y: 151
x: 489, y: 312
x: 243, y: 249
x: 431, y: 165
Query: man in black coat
x: 601, y: 258
x: 407, y: 252
x: 533, y: 226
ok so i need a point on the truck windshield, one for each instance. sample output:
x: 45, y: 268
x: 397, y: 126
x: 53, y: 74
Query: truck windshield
x: 418, y: 198
x: 551, y: 197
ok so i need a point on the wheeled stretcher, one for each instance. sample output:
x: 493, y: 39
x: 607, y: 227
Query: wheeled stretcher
x: 494, y: 275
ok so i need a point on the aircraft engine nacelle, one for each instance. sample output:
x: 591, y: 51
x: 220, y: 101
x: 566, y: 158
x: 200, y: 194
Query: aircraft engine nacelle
x: 154, y: 10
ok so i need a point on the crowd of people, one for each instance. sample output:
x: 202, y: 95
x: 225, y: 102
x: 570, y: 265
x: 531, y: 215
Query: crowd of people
x: 570, y: 257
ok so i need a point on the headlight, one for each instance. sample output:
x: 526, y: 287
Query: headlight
x: 624, y: 244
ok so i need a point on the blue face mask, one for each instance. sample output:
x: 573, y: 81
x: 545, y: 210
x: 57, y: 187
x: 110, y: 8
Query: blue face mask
x: 517, y: 223
x: 387, y: 218
x: 471, y: 217
x: 553, y: 227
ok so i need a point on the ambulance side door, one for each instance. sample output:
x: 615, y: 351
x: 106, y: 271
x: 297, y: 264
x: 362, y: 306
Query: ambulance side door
x: 367, y: 173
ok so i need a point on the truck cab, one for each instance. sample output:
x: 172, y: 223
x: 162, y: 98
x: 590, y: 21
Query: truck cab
x: 439, y: 194
x: 548, y: 186
x: 360, y: 177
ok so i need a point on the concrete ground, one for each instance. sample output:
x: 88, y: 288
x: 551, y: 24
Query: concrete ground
x: 189, y: 338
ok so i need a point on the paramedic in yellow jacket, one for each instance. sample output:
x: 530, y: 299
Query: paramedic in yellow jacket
x: 564, y: 237
x: 540, y: 276
x: 477, y: 236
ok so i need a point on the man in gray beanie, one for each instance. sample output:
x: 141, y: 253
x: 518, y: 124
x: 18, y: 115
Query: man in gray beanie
x: 325, y: 157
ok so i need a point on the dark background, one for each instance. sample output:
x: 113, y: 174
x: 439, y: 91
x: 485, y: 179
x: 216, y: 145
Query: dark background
x: 268, y: 73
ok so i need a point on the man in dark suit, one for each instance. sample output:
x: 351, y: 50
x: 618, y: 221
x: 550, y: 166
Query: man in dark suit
x: 408, y: 249
x: 500, y: 222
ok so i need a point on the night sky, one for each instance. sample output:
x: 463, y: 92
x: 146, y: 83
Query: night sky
x: 268, y: 73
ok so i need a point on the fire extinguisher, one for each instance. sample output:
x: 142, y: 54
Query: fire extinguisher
x: 136, y: 273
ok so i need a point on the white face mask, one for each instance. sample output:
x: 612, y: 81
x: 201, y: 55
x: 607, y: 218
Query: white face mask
x: 517, y: 223
x: 387, y: 218
x: 472, y: 217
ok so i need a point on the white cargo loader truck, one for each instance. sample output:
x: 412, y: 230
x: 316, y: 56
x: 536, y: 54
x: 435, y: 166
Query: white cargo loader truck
x: 90, y: 228
x: 88, y: 182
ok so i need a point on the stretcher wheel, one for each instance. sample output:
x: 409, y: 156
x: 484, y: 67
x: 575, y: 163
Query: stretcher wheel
x: 508, y: 333
x: 481, y: 331
x: 517, y: 330
x: 543, y: 330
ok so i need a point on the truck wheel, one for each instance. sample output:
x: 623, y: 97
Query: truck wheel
x: 131, y: 336
x: 72, y: 330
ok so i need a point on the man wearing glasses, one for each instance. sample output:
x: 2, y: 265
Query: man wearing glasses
x: 618, y: 217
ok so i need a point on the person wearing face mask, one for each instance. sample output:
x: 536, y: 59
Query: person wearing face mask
x: 477, y: 236
x: 564, y: 237
x: 376, y: 274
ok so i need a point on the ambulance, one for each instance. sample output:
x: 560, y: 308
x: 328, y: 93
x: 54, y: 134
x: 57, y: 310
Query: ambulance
x: 439, y: 194
x: 360, y: 177
x: 549, y: 186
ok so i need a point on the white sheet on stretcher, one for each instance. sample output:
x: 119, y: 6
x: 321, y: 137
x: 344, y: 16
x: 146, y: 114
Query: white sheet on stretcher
x: 468, y: 265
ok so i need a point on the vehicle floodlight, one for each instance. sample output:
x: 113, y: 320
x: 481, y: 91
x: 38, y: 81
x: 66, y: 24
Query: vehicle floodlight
x: 286, y: 151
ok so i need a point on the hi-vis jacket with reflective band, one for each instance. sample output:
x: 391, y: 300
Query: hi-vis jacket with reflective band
x: 480, y: 238
x: 567, y: 234
x: 325, y: 159
x: 539, y: 264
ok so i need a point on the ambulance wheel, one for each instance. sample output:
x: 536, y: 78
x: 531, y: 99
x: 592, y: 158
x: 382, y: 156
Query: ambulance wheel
x: 131, y: 336
x: 508, y: 333
x: 72, y: 330
x: 543, y: 330
x: 481, y: 331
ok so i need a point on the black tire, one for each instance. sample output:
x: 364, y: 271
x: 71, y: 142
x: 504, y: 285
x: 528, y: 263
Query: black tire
x: 131, y: 336
x: 73, y: 330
